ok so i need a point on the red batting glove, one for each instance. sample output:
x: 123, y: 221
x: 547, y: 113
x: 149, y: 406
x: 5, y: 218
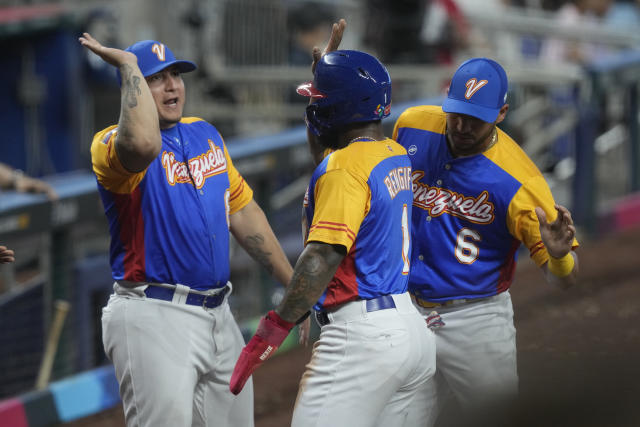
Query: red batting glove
x: 272, y: 330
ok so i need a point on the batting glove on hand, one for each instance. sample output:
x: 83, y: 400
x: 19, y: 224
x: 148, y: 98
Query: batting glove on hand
x: 271, y: 332
x: 434, y: 320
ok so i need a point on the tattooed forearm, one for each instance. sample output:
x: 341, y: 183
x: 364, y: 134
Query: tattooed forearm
x: 254, y: 245
x: 131, y: 85
x: 133, y: 88
x: 311, y: 275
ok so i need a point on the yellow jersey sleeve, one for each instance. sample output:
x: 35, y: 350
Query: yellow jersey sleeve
x: 425, y: 117
x: 240, y: 193
x: 106, y: 164
x: 341, y: 203
x: 522, y: 220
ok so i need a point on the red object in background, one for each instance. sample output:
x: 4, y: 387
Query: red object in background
x: 12, y: 413
x: 27, y: 13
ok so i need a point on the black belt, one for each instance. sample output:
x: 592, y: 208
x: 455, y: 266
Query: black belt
x: 382, y: 302
x: 200, y: 300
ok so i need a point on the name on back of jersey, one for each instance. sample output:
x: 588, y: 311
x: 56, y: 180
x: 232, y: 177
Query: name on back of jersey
x: 397, y: 180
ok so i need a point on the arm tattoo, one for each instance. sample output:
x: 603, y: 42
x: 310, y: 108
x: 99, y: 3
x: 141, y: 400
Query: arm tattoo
x: 129, y: 100
x: 131, y: 85
x: 254, y: 245
x: 314, y: 269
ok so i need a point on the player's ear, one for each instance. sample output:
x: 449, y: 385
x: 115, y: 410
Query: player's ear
x: 503, y: 113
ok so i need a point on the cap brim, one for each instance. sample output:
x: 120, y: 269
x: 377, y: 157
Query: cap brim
x: 307, y: 89
x: 485, y: 114
x: 183, y: 67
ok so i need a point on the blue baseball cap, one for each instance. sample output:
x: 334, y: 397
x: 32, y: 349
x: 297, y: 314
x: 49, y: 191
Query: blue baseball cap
x: 154, y: 56
x: 478, y: 88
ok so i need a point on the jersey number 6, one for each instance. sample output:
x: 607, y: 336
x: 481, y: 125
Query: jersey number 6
x: 466, y: 251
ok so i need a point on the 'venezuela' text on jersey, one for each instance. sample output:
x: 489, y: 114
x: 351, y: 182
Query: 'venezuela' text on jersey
x: 169, y: 222
x: 360, y: 197
x: 470, y: 213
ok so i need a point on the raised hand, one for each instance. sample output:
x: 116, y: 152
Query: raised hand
x: 26, y: 184
x: 110, y: 55
x: 558, y: 235
x: 337, y: 30
x: 6, y: 255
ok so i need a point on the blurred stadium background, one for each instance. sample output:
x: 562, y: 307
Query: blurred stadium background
x: 574, y: 70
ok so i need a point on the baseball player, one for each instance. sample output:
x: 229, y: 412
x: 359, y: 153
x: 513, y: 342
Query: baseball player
x: 171, y: 194
x: 477, y: 197
x: 374, y: 348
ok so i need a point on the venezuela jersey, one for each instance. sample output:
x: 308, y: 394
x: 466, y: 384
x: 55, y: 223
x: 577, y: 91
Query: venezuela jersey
x: 360, y: 197
x: 170, y: 222
x: 470, y: 213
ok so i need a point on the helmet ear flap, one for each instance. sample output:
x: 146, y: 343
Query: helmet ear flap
x: 319, y: 119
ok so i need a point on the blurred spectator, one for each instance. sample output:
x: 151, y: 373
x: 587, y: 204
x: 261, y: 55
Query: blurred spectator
x: 575, y: 14
x: 445, y: 30
x: 103, y: 23
x: 415, y: 31
x: 496, y: 42
x: 623, y: 15
x: 393, y: 30
x: 15, y: 179
x: 308, y: 23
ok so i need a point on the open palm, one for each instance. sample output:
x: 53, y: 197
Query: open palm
x: 558, y: 235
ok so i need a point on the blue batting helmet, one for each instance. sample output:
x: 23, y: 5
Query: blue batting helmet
x: 349, y: 86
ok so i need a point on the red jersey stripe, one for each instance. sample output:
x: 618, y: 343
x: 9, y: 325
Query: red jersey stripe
x: 535, y: 248
x: 509, y: 268
x: 349, y: 235
x: 337, y: 224
x: 343, y: 286
x: 238, y: 190
x: 132, y: 224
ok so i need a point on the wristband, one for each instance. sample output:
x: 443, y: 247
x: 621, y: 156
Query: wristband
x: 561, y: 267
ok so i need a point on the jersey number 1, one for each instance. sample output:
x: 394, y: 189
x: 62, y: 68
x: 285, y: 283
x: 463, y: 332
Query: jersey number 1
x: 406, y: 240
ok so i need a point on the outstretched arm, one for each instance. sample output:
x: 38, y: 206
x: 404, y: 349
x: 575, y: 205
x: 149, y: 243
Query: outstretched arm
x: 557, y: 236
x: 13, y: 179
x: 252, y: 230
x: 138, y: 140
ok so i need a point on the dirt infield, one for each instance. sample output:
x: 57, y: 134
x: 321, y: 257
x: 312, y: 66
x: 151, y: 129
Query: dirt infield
x: 578, y: 350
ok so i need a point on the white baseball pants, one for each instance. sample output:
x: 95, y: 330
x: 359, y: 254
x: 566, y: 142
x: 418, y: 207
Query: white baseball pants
x: 174, y: 362
x: 366, y: 367
x: 475, y: 359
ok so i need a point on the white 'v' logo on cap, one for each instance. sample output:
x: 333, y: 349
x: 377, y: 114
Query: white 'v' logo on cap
x: 158, y: 49
x: 472, y: 86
